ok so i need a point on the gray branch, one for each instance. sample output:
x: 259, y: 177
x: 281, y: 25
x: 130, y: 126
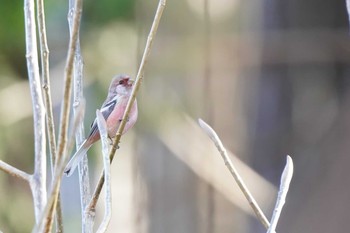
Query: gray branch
x: 38, y: 181
x: 254, y: 205
x: 286, y: 178
x: 46, y: 220
x: 44, y: 52
x: 44, y: 225
x: 102, y: 127
x: 14, y: 171
x: 84, y: 182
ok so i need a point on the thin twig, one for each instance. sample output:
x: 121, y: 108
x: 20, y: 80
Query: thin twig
x: 102, y: 127
x: 161, y: 5
x: 84, y: 181
x: 38, y: 184
x: 286, y: 178
x: 214, y: 137
x: 14, y: 171
x: 47, y: 97
x: 46, y: 78
x: 68, y: 74
x: 44, y: 225
x: 65, y: 110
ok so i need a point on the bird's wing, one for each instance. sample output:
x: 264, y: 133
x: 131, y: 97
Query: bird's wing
x: 106, y: 110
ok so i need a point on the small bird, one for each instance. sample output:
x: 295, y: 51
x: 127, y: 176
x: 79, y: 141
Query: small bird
x: 112, y: 109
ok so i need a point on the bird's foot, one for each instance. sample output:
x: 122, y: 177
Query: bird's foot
x: 110, y: 141
x: 127, y: 119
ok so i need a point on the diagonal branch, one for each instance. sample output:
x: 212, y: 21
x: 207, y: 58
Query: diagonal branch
x: 254, y: 205
x: 14, y: 171
x: 161, y: 5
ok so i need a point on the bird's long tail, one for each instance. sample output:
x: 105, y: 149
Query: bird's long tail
x: 76, y: 158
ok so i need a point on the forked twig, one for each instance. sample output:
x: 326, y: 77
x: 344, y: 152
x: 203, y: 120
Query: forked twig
x: 37, y: 181
x: 161, y: 5
x: 214, y: 137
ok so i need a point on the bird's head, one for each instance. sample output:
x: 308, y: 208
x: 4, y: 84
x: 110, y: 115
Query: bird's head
x: 121, y: 85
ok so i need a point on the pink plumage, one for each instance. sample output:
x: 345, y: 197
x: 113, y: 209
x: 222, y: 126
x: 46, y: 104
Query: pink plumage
x: 113, y: 110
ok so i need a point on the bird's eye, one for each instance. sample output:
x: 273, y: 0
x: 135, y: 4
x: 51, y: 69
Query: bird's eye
x: 121, y: 82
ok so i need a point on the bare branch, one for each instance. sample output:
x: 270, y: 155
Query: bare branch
x: 46, y: 78
x: 286, y: 178
x: 45, y: 223
x: 62, y: 143
x: 102, y: 126
x: 14, y: 171
x: 214, y: 137
x: 139, y: 77
x: 47, y: 97
x: 84, y: 182
x: 38, y: 184
x: 65, y: 110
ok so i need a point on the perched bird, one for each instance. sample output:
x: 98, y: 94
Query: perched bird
x: 112, y: 110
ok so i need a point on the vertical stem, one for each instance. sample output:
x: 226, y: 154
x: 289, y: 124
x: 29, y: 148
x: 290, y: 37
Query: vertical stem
x: 45, y: 223
x: 65, y: 110
x: 45, y: 76
x: 47, y: 97
x: 84, y: 182
x: 102, y: 127
x: 62, y: 141
x: 38, y: 181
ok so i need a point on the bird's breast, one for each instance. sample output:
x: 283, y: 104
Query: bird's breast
x: 117, y: 114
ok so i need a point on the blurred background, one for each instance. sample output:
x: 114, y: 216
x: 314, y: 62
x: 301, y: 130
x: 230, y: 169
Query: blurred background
x: 271, y: 77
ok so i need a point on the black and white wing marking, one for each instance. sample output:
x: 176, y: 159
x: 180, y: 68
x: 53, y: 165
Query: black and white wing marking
x: 106, y: 110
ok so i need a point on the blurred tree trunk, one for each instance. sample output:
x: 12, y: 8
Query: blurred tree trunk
x: 302, y: 88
